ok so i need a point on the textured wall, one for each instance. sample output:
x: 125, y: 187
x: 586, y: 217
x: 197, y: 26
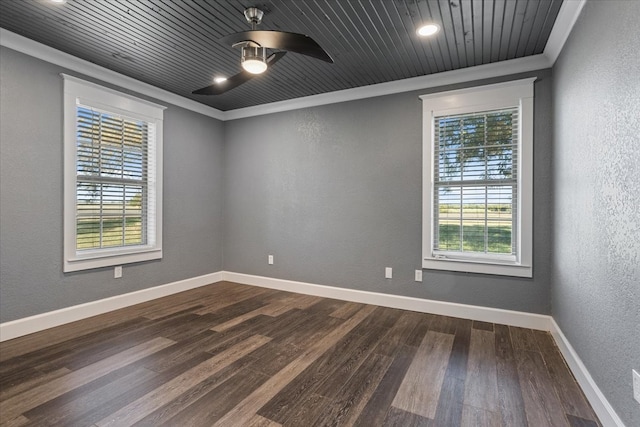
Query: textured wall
x: 31, y: 278
x: 334, y: 193
x: 596, y: 166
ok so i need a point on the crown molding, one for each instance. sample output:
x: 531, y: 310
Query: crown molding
x: 76, y: 65
x: 479, y: 72
x: 567, y: 17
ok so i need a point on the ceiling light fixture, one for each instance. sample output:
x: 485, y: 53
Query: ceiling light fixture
x: 219, y: 79
x: 254, y: 59
x: 58, y: 1
x: 428, y: 30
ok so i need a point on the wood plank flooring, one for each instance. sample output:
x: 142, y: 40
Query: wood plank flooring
x: 234, y: 355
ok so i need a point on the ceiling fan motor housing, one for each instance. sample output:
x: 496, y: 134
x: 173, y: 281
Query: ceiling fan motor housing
x: 253, y: 15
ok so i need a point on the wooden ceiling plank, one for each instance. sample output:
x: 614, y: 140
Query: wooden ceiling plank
x: 530, y: 13
x: 411, y: 54
x: 308, y: 18
x: 487, y: 30
x: 543, y: 33
x: 466, y: 11
x: 516, y: 28
x: 455, y: 9
x: 509, y: 16
x: 388, y: 49
x: 449, y: 53
x: 164, y: 55
x: 498, y: 27
x: 102, y: 53
x: 357, y: 32
x: 405, y: 16
x: 349, y: 46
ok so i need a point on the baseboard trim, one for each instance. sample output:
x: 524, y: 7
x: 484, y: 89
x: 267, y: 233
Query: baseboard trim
x: 473, y: 312
x: 39, y: 322
x: 598, y: 401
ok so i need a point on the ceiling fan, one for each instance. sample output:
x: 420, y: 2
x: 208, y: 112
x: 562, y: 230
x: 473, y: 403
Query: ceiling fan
x: 254, y: 45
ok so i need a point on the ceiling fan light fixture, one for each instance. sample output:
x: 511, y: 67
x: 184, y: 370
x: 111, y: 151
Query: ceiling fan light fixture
x: 428, y: 30
x: 254, y: 59
x: 253, y: 46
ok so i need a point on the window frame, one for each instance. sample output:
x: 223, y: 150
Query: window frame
x: 517, y: 93
x: 80, y: 92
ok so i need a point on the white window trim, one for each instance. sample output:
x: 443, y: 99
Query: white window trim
x: 482, y: 98
x: 77, y: 91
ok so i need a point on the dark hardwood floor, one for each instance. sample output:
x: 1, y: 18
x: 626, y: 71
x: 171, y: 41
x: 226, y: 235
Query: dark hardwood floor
x: 235, y: 355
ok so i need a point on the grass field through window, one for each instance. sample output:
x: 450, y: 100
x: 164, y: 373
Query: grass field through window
x: 88, y: 232
x: 498, y: 231
x: 492, y: 226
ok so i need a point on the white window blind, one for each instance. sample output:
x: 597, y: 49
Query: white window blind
x: 115, y: 182
x: 112, y: 177
x: 477, y: 195
x: 475, y: 184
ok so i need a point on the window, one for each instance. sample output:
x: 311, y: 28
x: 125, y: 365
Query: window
x: 477, y: 192
x: 112, y: 177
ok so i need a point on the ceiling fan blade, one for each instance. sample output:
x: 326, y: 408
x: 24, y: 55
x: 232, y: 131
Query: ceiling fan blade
x: 293, y: 42
x: 222, y: 87
x: 235, y: 81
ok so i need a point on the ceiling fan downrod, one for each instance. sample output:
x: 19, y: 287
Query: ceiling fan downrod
x: 254, y: 16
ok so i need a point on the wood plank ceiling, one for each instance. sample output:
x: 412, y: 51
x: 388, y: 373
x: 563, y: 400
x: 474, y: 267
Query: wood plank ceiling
x: 174, y: 44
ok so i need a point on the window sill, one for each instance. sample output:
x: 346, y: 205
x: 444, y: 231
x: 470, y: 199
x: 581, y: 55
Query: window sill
x: 481, y: 267
x: 79, y: 264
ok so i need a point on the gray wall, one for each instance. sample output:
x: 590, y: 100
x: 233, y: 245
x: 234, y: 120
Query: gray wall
x: 334, y: 193
x: 31, y: 278
x: 596, y: 168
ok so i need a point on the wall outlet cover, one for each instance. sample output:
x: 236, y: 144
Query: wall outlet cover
x: 117, y: 272
x: 388, y: 273
x: 418, y: 277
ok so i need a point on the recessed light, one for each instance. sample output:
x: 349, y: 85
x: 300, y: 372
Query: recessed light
x: 219, y: 79
x: 58, y: 1
x: 428, y: 30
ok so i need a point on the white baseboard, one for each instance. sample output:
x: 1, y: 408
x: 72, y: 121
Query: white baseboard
x: 601, y: 406
x: 599, y: 403
x: 473, y: 312
x: 39, y: 322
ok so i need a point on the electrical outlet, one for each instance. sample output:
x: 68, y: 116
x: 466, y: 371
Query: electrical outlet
x: 388, y: 273
x: 117, y: 272
x: 636, y: 385
x: 418, y: 276
x: 270, y: 261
